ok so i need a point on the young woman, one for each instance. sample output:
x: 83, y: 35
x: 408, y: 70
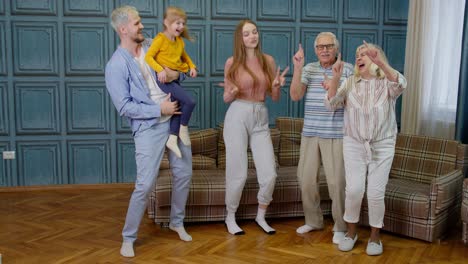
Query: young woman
x: 249, y: 76
x: 370, y: 129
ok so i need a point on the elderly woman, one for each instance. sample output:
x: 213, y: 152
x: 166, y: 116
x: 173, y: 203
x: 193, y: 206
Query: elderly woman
x: 370, y: 129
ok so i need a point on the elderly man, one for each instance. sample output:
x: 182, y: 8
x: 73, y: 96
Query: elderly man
x: 136, y: 95
x: 322, y: 135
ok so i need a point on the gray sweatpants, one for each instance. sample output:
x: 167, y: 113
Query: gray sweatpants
x: 246, y: 123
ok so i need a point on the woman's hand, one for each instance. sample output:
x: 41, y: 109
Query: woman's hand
x: 374, y: 55
x: 280, y: 78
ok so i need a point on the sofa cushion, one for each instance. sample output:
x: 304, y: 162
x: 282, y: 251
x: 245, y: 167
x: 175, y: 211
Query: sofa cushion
x: 290, y: 140
x: 204, y: 150
x: 421, y: 159
x: 275, y: 138
x: 406, y: 198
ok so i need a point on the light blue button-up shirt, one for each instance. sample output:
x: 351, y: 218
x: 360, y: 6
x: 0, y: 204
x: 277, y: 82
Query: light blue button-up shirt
x: 129, y: 90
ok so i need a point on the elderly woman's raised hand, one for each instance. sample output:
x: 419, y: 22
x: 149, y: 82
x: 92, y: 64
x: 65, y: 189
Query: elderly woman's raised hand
x: 373, y: 54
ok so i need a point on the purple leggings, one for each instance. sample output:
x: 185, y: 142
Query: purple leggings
x: 186, y: 104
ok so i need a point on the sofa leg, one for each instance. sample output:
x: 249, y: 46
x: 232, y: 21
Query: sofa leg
x: 164, y: 224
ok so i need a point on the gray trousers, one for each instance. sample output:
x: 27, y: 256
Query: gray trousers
x: 149, y: 150
x: 246, y: 123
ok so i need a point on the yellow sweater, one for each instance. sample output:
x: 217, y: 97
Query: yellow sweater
x: 165, y: 52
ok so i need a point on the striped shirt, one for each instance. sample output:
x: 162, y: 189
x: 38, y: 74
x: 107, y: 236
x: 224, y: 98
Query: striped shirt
x: 318, y: 120
x: 369, y: 107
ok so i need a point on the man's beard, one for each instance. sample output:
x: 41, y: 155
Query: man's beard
x: 139, y: 38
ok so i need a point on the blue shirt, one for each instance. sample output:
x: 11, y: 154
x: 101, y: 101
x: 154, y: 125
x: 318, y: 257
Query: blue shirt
x: 318, y: 120
x: 129, y: 91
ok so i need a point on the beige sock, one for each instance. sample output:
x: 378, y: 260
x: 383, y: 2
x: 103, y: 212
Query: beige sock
x: 172, y: 145
x: 184, y: 135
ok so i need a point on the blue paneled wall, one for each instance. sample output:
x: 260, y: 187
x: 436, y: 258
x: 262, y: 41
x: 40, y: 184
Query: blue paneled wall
x: 54, y: 108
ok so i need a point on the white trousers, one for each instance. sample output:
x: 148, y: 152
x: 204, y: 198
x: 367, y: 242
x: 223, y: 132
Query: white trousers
x: 246, y: 123
x: 371, y: 162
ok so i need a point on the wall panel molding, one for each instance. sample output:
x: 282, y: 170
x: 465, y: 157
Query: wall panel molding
x: 396, y: 12
x: 221, y: 43
x: 319, y: 10
x: 193, y: 8
x: 87, y: 48
x: 39, y: 162
x: 227, y: 9
x: 85, y: 8
x: 361, y: 11
x: 4, y: 108
x: 126, y: 171
x: 276, y: 10
x: 89, y: 161
x: 3, y: 59
x: 88, y: 109
x: 4, y: 166
x: 146, y: 8
x: 36, y: 7
x: 30, y: 37
x: 37, y: 108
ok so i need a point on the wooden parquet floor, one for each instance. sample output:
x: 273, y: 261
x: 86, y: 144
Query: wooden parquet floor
x: 82, y: 224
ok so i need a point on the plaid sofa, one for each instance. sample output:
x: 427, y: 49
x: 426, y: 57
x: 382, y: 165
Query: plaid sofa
x: 464, y: 211
x: 206, y: 201
x: 423, y: 194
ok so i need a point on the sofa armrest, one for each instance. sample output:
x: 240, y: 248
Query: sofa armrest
x: 446, y: 191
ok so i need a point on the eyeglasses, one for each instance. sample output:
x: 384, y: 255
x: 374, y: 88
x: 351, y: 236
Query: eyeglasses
x: 327, y: 46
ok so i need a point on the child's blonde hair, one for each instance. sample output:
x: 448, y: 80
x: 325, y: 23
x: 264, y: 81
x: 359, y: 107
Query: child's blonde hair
x: 374, y: 69
x: 172, y: 14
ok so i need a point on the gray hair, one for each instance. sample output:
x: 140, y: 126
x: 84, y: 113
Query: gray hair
x: 120, y: 15
x: 328, y: 34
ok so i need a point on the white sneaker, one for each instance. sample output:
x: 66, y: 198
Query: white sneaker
x: 374, y: 249
x: 337, y: 237
x: 347, y: 243
x: 127, y: 250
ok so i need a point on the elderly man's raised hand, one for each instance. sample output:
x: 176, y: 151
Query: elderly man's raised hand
x: 168, y: 107
x: 298, y: 58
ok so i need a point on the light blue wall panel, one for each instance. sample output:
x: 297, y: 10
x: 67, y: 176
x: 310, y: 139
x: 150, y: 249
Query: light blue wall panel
x: 43, y: 7
x: 352, y: 38
x: 87, y: 48
x: 53, y: 54
x: 218, y: 107
x: 278, y: 10
x: 89, y: 162
x: 88, y: 108
x: 85, y: 7
x: 221, y: 43
x: 319, y: 10
x: 279, y: 108
x: 228, y: 9
x: 126, y: 171
x: 275, y: 39
x: 39, y: 162
x: 146, y: 8
x: 4, y: 109
x: 193, y: 8
x: 394, y: 44
x: 28, y: 39
x: 396, y: 12
x: 4, y: 181
x: 361, y: 11
x: 198, y: 92
x: 37, y: 108
x: 3, y: 61
x: 196, y: 49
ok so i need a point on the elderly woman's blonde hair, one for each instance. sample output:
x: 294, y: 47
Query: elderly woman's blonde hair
x: 120, y: 16
x: 374, y: 69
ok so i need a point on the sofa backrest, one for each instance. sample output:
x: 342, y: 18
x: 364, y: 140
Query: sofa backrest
x: 421, y: 158
x: 275, y: 138
x: 290, y: 140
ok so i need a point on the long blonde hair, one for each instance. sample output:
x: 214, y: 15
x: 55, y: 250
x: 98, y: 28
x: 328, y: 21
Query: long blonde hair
x: 374, y: 69
x: 172, y: 13
x: 240, y: 57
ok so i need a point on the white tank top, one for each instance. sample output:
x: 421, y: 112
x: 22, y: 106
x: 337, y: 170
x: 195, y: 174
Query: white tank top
x: 156, y: 94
